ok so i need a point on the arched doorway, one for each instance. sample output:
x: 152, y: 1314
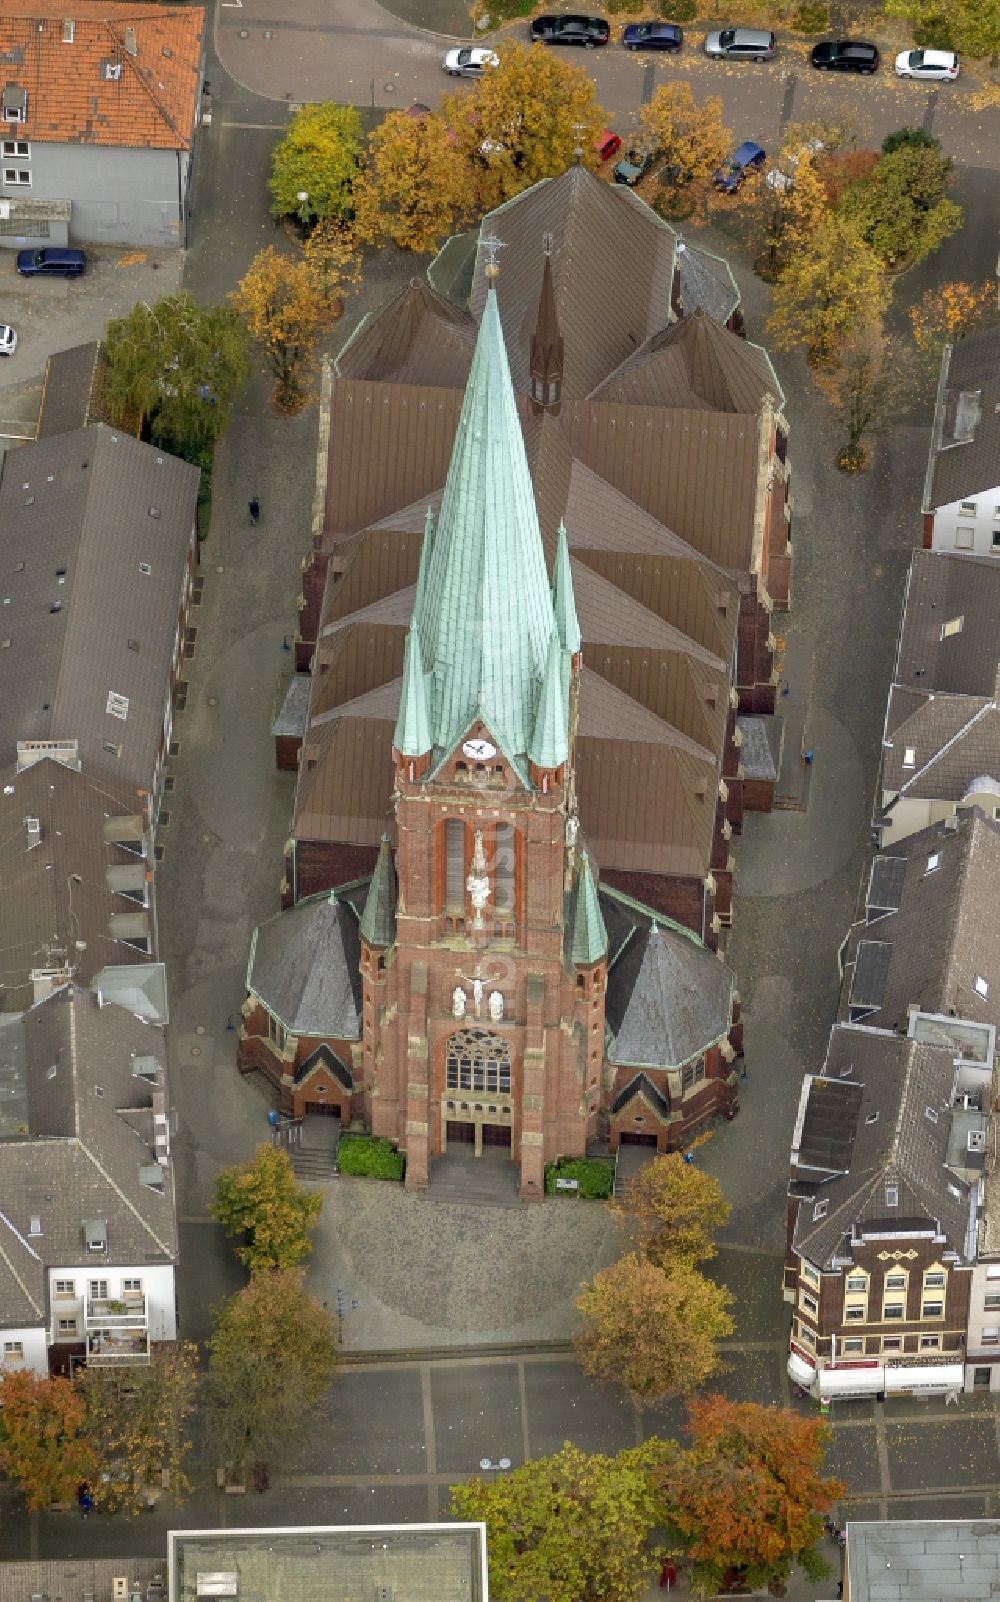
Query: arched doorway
x: 477, y: 1107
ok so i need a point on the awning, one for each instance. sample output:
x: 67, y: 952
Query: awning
x: 942, y: 1377
x: 851, y: 1381
x: 800, y: 1371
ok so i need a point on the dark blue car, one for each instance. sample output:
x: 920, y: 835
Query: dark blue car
x: 747, y: 158
x: 51, y: 263
x: 652, y: 36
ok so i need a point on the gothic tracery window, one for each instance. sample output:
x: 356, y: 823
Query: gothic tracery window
x: 477, y: 1060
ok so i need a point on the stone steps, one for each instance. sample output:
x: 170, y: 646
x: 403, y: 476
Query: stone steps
x: 313, y: 1164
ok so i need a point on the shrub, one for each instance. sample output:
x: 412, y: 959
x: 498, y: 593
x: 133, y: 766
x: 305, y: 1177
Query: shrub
x: 594, y: 1175
x: 370, y: 1157
x: 912, y: 137
x: 811, y: 17
x: 934, y: 32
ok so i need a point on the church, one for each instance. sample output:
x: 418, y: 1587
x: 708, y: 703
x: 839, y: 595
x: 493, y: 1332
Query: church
x: 486, y: 983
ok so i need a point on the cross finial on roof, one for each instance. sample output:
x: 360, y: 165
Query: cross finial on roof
x: 492, y: 245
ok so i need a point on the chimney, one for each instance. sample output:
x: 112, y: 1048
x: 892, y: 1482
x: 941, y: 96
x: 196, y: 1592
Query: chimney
x: 131, y: 42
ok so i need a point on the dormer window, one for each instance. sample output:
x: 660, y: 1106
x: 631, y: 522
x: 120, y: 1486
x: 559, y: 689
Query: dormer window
x: 910, y: 756
x: 933, y: 862
x: 15, y: 103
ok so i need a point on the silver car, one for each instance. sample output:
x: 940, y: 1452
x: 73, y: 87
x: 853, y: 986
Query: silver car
x: 741, y: 44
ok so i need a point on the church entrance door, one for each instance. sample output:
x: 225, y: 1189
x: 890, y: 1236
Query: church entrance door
x: 497, y: 1135
x: 460, y: 1132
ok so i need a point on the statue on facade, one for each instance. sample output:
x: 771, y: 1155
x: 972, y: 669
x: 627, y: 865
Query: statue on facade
x: 458, y: 1002
x: 572, y: 830
x: 478, y: 882
x: 477, y: 995
x: 495, y: 1005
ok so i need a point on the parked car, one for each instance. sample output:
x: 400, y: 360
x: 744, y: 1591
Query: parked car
x: 470, y: 61
x: 746, y: 158
x: 8, y: 340
x: 608, y: 145
x: 927, y: 64
x: 586, y: 31
x: 741, y: 44
x: 845, y: 55
x: 51, y: 263
x: 652, y: 36
x: 633, y: 166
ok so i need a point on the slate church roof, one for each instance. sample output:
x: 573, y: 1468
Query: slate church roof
x: 304, y: 967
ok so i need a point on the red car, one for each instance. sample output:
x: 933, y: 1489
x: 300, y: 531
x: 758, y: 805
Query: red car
x: 608, y: 145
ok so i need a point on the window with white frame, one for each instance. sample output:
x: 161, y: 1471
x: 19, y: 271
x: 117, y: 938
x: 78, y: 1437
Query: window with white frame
x: 16, y: 150
x: 993, y: 1270
x: 806, y: 1335
x: 996, y: 538
x: 808, y: 1302
x: 856, y: 1297
x: 853, y: 1343
x: 965, y: 537
x: 809, y: 1273
x: 66, y: 1326
x: 893, y: 1311
x: 17, y: 177
x: 909, y: 756
x: 65, y: 1287
x: 991, y: 1300
x: 967, y: 508
x: 990, y: 1335
x: 930, y: 1343
x: 982, y: 986
x: 98, y: 1290
x: 131, y: 1287
x: 932, y: 1309
x: 13, y: 1348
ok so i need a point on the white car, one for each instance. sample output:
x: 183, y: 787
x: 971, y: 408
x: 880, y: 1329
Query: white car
x: 8, y: 340
x: 927, y: 64
x: 469, y: 61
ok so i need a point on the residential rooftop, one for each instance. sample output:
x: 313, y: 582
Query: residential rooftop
x: 923, y: 1560
x: 965, y: 442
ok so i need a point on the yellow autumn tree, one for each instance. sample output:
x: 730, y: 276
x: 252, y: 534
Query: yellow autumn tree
x: 951, y: 312
x: 330, y: 251
x: 283, y: 308
x: 652, y: 1330
x: 826, y: 286
x: 530, y: 118
x: 689, y: 139
x: 672, y: 1209
x: 137, y: 1423
x: 416, y: 185
x: 782, y: 208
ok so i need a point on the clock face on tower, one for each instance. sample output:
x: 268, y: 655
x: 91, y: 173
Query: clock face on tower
x: 479, y: 750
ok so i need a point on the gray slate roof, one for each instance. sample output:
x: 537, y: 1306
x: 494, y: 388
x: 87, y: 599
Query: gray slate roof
x: 965, y: 443
x: 668, y: 998
x: 760, y: 752
x: 71, y: 1579
x: 63, y: 885
x: 945, y: 585
x: 79, y: 513
x: 90, y: 1129
x: 945, y: 933
x: 69, y: 382
x: 893, y: 1143
x: 304, y: 968
x: 291, y: 715
x: 924, y: 1560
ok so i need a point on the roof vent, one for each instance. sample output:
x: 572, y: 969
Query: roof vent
x: 931, y: 1113
x: 112, y: 73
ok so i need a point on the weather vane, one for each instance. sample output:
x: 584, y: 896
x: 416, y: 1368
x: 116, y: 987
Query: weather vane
x: 491, y: 245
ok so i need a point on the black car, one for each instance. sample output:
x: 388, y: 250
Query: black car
x: 845, y: 55
x: 652, y: 36
x: 586, y: 31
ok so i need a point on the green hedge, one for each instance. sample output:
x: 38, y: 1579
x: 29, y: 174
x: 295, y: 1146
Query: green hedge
x: 595, y: 1176
x: 371, y: 1158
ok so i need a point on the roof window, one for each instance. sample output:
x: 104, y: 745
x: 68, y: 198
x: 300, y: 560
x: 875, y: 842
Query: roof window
x: 872, y: 1118
x: 892, y: 1196
x: 954, y: 625
x: 50, y: 1073
x: 68, y: 30
x: 982, y: 988
x: 35, y: 1224
x: 821, y: 1209
x: 15, y: 103
x: 144, y: 567
x: 117, y: 705
x: 933, y: 862
x: 910, y: 756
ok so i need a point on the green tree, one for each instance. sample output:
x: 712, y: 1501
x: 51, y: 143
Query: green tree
x: 44, y: 1447
x: 972, y: 27
x: 263, y: 1201
x: 825, y: 288
x: 283, y: 306
x: 900, y: 211
x: 137, y: 1422
x: 417, y: 182
x: 272, y: 1356
x: 869, y: 376
x: 574, y: 1527
x: 748, y: 1494
x: 319, y: 157
x: 175, y: 369
x: 672, y: 1210
x: 651, y: 1330
x: 524, y: 121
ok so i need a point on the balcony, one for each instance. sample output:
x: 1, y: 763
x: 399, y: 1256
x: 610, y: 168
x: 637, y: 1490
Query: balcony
x: 113, y: 1313
x: 117, y: 1348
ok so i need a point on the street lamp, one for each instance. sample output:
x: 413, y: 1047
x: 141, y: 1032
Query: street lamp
x: 344, y: 1306
x: 303, y: 199
x: 501, y: 1465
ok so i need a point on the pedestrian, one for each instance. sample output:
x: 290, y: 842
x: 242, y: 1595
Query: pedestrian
x: 668, y: 1576
x: 85, y: 1500
x: 254, y: 510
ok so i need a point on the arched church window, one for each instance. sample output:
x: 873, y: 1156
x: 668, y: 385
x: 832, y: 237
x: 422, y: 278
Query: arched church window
x: 454, y: 865
x: 504, y: 864
x: 478, y: 1060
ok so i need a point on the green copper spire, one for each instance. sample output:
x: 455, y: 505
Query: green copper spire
x: 486, y: 608
x: 563, y: 599
x: 413, y: 731
x: 425, y: 556
x: 589, y: 938
x: 378, y: 921
x: 549, y: 746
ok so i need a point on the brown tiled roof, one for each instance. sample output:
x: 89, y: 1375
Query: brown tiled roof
x: 965, y: 449
x: 943, y: 587
x: 946, y: 932
x: 95, y: 535
x: 57, y: 905
x: 599, y: 236
x: 417, y: 337
x: 344, y: 789
x: 353, y: 659
x: 608, y: 713
x: 366, y: 566
x: 646, y: 808
x: 694, y: 471
x: 129, y: 76
x: 694, y: 364
x: 397, y: 439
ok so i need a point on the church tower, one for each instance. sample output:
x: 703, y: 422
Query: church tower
x: 484, y: 984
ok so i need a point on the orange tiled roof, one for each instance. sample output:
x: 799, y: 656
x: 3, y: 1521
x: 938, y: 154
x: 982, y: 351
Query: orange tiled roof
x: 75, y: 93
